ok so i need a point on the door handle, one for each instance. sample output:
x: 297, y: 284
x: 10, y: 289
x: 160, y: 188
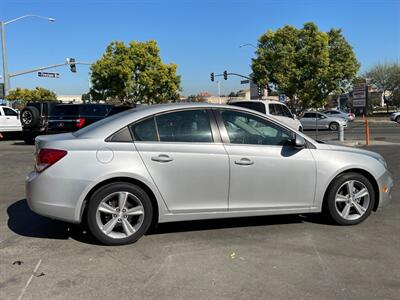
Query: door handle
x: 162, y: 158
x: 244, y: 162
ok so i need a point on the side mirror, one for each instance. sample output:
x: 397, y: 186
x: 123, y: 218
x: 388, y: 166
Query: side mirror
x: 298, y: 141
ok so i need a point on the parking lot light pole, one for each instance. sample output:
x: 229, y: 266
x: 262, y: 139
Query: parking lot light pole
x: 6, y: 75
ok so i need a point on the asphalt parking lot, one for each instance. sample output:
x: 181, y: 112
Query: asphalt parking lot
x: 278, y: 257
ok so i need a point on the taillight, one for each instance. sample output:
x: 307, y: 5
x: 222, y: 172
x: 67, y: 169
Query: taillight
x: 47, y: 157
x: 80, y: 122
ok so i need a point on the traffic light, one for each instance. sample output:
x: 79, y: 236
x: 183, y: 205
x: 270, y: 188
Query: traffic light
x: 225, y: 75
x: 72, y: 64
x: 259, y: 91
x: 212, y: 76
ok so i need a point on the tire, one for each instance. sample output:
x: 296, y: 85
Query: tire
x: 30, y: 117
x: 334, y: 126
x: 29, y: 138
x: 398, y: 119
x: 120, y: 233
x: 336, y: 202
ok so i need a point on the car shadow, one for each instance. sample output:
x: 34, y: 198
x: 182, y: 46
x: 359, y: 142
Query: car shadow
x: 25, y: 222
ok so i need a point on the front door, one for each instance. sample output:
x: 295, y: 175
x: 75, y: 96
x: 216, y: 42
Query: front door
x: 188, y: 166
x: 266, y: 171
x: 10, y: 120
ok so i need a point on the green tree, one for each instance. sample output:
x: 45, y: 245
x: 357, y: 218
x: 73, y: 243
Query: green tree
x: 133, y: 73
x: 304, y: 64
x: 38, y: 94
x: 386, y: 78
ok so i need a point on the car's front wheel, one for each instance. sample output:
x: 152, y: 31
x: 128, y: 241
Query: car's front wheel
x: 333, y: 126
x: 398, y: 119
x: 350, y: 199
x: 119, y: 213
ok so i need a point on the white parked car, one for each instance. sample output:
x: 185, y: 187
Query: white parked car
x: 9, y: 119
x: 273, y: 108
x: 395, y: 117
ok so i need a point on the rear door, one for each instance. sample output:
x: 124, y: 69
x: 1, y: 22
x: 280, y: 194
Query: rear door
x: 186, y: 159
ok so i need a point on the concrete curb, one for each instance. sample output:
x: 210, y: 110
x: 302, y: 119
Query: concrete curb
x: 354, y: 143
x: 371, y: 120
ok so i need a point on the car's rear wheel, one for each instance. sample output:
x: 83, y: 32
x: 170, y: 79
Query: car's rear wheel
x: 333, y: 126
x: 350, y: 199
x: 119, y: 213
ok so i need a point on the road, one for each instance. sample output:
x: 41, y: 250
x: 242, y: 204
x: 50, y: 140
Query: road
x: 277, y: 257
x: 382, y: 131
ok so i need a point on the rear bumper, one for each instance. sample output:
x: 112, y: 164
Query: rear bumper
x: 54, y: 197
x: 385, y: 184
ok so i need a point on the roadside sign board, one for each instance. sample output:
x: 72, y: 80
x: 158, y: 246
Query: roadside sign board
x: 49, y: 74
x: 360, y: 95
x: 282, y: 98
x: 244, y: 81
x: 2, y: 93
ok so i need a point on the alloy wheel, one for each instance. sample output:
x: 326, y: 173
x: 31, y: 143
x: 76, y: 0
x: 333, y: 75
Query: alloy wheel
x: 120, y: 215
x: 352, y: 200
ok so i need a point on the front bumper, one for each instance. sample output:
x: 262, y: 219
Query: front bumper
x: 54, y: 197
x: 385, y: 185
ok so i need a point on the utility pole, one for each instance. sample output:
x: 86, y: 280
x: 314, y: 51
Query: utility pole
x: 4, y: 56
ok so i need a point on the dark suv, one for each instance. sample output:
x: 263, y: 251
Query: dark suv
x: 49, y: 117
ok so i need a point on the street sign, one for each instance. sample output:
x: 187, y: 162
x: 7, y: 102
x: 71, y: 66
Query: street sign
x: 49, y: 74
x: 2, y: 93
x: 360, y: 95
x: 282, y: 98
x: 244, y: 81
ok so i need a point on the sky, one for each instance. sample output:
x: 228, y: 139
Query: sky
x: 200, y: 36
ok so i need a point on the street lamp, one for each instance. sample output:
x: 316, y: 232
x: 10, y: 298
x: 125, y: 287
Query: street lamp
x: 6, y: 75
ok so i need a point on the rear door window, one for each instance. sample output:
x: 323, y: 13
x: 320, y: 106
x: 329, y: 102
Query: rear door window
x: 309, y: 115
x: 286, y: 111
x: 185, y: 126
x: 278, y: 110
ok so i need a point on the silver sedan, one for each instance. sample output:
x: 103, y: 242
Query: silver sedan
x: 178, y: 162
x: 317, y: 120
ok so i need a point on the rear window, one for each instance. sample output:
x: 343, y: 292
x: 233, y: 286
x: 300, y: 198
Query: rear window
x: 94, y: 110
x: 65, y: 110
x: 257, y: 106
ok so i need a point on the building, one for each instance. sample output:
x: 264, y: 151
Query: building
x: 70, y: 98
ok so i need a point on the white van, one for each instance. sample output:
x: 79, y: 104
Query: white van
x: 9, y: 119
x: 273, y: 108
